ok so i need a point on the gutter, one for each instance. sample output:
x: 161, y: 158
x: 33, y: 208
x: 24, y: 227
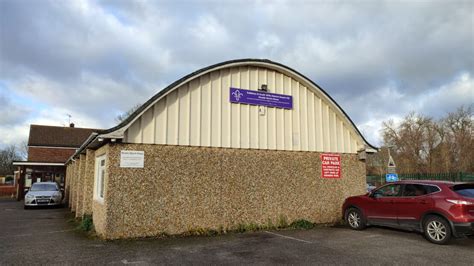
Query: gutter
x: 19, y: 163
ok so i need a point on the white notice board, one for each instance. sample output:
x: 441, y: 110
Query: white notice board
x: 132, y: 159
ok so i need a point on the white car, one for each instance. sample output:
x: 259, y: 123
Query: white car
x: 43, y: 194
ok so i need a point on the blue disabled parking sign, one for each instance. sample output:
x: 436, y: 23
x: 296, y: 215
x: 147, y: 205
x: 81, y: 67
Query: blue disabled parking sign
x: 391, y: 177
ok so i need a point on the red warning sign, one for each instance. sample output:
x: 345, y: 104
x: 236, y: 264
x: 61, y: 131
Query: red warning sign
x: 330, y: 166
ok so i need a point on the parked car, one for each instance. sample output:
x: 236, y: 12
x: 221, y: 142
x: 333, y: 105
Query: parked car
x: 438, y: 209
x: 43, y: 194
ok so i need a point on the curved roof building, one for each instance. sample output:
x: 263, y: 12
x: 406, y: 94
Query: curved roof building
x: 241, y: 141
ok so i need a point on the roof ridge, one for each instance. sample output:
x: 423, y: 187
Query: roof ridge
x: 89, y: 128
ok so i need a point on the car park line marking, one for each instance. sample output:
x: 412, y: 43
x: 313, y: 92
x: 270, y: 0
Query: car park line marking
x: 124, y: 261
x: 370, y: 236
x: 288, y: 237
x: 60, y: 231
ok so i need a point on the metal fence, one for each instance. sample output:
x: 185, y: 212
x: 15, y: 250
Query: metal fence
x: 455, y: 177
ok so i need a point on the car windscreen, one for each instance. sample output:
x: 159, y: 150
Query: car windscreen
x: 465, y: 190
x: 43, y: 187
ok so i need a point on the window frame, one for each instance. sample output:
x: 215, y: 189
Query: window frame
x: 99, y: 178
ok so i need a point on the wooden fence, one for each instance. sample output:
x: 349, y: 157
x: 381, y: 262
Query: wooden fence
x: 7, y: 191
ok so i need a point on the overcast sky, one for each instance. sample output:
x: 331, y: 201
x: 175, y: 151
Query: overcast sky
x: 96, y: 59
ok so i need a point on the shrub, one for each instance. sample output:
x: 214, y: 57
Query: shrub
x: 86, y: 223
x: 302, y: 224
x: 270, y: 224
x: 241, y: 228
x: 282, y: 222
x: 200, y: 232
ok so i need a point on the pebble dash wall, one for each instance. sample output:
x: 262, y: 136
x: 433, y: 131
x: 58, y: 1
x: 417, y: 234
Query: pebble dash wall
x: 100, y: 209
x: 77, y: 168
x: 182, y: 188
x: 69, y: 186
x: 88, y: 182
x: 73, y: 186
x: 67, y: 189
x: 80, y: 186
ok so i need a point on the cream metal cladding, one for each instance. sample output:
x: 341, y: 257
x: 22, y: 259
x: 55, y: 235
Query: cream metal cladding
x: 198, y: 113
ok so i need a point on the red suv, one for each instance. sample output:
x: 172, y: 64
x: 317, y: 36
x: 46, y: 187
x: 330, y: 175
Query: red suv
x: 439, y: 209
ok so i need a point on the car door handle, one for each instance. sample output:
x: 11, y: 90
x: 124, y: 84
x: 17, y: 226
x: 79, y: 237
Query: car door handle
x: 423, y: 202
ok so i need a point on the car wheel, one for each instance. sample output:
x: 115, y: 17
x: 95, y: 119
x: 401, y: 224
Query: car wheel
x: 437, y: 230
x: 354, y: 219
x: 25, y: 207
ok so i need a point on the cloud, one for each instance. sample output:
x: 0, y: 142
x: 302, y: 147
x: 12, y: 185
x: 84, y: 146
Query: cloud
x: 11, y: 112
x: 95, y: 59
x: 18, y: 132
x: 448, y: 97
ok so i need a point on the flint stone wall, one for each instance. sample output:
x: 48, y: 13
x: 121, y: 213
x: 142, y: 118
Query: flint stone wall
x: 183, y: 188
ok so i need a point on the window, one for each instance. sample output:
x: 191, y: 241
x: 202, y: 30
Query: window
x: 388, y: 191
x: 466, y: 190
x: 44, y: 187
x: 99, y: 178
x: 414, y: 190
x: 432, y: 189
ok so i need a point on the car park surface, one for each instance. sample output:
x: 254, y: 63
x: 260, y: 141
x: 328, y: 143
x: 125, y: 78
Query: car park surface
x: 44, y: 236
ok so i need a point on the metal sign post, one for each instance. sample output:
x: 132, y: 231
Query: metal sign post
x: 391, y: 175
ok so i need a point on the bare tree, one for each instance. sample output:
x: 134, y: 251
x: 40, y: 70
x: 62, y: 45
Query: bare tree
x: 413, y: 142
x: 23, y: 150
x: 423, y: 145
x: 121, y: 117
x: 7, y: 156
x: 377, y: 162
x: 459, y: 130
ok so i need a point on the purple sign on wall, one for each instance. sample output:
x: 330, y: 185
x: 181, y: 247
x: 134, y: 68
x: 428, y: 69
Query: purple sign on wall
x: 260, y: 98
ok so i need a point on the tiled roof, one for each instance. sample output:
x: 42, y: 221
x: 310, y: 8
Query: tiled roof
x: 53, y: 136
x: 49, y: 155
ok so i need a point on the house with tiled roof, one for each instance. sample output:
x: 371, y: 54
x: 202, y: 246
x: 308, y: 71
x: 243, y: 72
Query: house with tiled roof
x: 49, y: 147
